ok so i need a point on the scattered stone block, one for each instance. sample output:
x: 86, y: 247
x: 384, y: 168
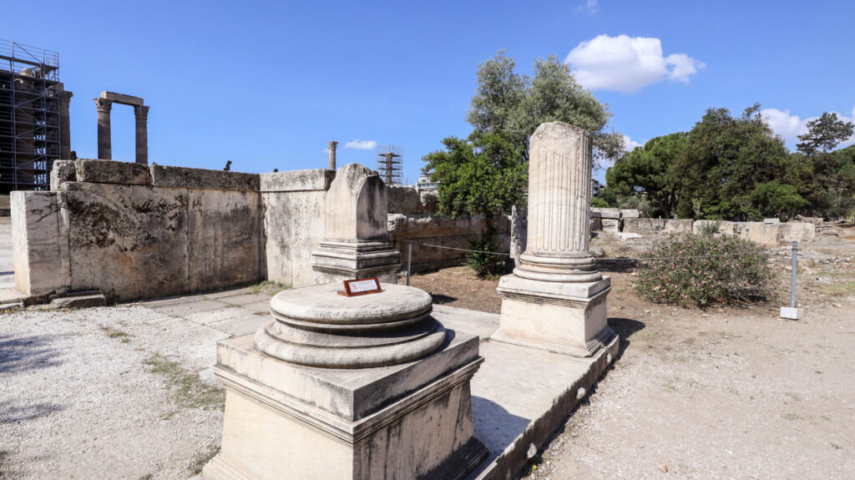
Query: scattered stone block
x: 630, y: 213
x: 109, y: 171
x: 792, y: 313
x: 197, y: 178
x: 771, y: 220
x: 90, y: 299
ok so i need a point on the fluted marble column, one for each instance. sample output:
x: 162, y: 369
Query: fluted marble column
x: 105, y: 147
x: 141, y: 114
x: 559, y: 197
x: 556, y: 299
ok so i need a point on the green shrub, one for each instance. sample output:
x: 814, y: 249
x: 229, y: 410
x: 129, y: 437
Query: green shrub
x: 485, y: 263
x: 701, y: 270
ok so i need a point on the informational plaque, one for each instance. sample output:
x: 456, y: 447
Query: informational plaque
x: 360, y: 286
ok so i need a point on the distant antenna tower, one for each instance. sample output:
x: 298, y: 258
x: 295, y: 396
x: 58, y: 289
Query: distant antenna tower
x: 389, y: 163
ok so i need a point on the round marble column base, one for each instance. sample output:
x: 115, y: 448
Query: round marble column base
x: 582, y: 268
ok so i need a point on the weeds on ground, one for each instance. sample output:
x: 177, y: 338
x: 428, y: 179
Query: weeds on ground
x: 267, y: 286
x: 482, y: 258
x: 188, y: 390
x: 116, y: 333
x: 202, y: 459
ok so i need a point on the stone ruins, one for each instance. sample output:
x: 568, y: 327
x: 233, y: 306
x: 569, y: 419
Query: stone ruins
x: 104, y: 104
x: 380, y: 386
x: 556, y: 298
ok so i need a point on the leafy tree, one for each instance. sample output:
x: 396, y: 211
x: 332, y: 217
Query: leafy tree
x: 607, y: 196
x: 774, y: 199
x: 650, y: 170
x: 513, y: 105
x: 482, y: 175
x: 824, y: 134
x: 726, y: 158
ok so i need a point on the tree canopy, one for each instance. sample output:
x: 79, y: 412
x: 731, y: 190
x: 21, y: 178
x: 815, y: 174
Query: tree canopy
x: 488, y: 172
x: 650, y: 170
x: 513, y: 105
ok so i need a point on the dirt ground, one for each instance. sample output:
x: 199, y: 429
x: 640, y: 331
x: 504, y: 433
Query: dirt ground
x: 709, y: 394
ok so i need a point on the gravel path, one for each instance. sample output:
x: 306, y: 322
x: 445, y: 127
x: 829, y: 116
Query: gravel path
x: 80, y: 400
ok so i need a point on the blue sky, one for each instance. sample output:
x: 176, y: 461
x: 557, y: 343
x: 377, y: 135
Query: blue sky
x: 267, y: 84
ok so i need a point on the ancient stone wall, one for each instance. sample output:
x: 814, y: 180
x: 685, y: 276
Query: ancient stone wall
x: 136, y: 232
x: 294, y: 212
x: 444, y: 231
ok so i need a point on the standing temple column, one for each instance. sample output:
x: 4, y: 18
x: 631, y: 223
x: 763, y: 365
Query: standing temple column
x: 332, y: 147
x: 141, y: 114
x: 105, y: 148
x: 556, y: 299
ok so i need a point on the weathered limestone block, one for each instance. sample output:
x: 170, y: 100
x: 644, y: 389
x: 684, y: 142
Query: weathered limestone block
x: 360, y: 388
x: 798, y: 232
x: 430, y: 201
x: 772, y: 220
x: 294, y: 226
x: 224, y: 239
x: 651, y: 226
x: 404, y: 199
x: 109, y: 171
x: 607, y: 212
x: 63, y: 171
x: 297, y: 181
x: 356, y: 239
x: 181, y: 177
x: 763, y: 233
x: 38, y: 238
x: 556, y: 299
x: 128, y: 241
x: 845, y: 231
x: 630, y: 213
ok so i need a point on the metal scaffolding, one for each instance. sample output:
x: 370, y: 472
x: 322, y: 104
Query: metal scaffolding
x: 390, y: 163
x: 29, y: 116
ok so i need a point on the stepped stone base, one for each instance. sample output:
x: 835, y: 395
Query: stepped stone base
x: 568, y: 318
x: 411, y: 420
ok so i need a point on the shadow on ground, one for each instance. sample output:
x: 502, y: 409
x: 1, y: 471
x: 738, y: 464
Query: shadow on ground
x: 439, y: 299
x: 616, y: 265
x: 12, y: 413
x: 625, y: 328
x: 27, y: 353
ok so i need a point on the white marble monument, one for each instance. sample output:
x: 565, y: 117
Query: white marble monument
x: 346, y: 388
x: 356, y: 238
x: 556, y: 299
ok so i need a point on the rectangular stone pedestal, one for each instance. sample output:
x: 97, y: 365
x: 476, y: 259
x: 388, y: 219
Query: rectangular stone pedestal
x: 406, y: 421
x: 568, y: 318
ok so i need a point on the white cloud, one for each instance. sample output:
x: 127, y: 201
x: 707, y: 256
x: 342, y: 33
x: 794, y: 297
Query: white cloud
x: 590, y: 7
x: 630, y: 144
x: 326, y: 151
x: 361, y: 144
x: 789, y: 126
x: 627, y: 64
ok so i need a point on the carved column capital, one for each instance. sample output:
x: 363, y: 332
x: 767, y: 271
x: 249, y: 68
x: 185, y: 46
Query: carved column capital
x: 141, y: 113
x: 103, y: 105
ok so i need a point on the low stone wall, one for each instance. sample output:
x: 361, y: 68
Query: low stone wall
x: 443, y: 231
x: 135, y: 232
x: 647, y: 226
x: 766, y: 233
